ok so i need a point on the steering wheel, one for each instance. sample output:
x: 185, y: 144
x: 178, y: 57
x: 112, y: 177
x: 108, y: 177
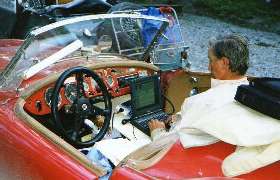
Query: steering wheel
x: 81, y: 128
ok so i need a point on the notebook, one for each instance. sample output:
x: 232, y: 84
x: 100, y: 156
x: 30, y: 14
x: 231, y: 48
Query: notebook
x: 146, y: 102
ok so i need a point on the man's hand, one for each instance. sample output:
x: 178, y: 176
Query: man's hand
x: 155, y: 124
x: 99, y: 121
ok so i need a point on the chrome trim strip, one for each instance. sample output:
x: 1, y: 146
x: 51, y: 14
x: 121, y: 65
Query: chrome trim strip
x: 93, y: 17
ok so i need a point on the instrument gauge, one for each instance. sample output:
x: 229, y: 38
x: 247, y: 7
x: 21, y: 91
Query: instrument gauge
x: 143, y: 73
x: 86, y: 86
x: 48, y: 96
x: 94, y: 84
x: 71, y: 92
x: 110, y: 81
x: 131, y: 69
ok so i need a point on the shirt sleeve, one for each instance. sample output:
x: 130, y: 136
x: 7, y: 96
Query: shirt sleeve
x: 158, y: 133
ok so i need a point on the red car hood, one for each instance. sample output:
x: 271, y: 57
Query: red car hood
x: 8, y: 48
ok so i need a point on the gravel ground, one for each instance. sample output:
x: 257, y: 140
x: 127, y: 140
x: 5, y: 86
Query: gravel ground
x: 264, y: 46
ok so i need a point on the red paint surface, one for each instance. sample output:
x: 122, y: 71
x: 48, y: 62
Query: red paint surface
x: 8, y: 48
x: 197, y: 162
x: 25, y: 153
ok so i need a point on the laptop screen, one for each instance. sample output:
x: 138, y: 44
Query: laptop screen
x: 145, y: 95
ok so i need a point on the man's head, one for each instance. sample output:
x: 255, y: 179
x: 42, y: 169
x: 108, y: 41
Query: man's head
x: 228, y: 57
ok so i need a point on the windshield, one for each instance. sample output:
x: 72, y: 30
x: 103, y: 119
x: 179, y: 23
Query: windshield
x: 81, y: 36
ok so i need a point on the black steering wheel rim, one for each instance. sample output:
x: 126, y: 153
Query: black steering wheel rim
x: 55, y: 101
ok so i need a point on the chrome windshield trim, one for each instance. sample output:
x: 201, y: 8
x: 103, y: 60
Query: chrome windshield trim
x: 93, y: 17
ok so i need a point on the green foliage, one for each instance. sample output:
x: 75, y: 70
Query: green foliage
x: 255, y: 14
x: 251, y: 13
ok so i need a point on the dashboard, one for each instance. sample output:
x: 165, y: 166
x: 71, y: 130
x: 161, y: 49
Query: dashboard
x: 115, y: 79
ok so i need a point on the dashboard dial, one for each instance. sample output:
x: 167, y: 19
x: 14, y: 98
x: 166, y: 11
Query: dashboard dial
x: 48, y: 96
x: 95, y: 85
x: 143, y: 73
x: 131, y: 70
x: 110, y: 81
x: 71, y: 91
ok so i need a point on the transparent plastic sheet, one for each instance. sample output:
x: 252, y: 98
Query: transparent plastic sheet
x: 33, y: 51
x: 166, y: 54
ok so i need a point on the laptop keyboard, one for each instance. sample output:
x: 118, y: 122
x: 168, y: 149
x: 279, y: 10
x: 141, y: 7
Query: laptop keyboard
x: 143, y: 121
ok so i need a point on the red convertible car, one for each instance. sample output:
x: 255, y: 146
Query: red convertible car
x: 61, y: 87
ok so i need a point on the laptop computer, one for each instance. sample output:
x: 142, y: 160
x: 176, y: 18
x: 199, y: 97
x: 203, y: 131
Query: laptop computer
x: 146, y: 102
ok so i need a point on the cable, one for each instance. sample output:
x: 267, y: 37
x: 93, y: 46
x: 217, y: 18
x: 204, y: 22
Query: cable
x: 112, y: 124
x: 168, y: 100
x: 172, y: 105
x: 134, y: 132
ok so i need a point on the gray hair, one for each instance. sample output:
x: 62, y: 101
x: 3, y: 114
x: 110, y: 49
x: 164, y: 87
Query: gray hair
x: 235, y: 48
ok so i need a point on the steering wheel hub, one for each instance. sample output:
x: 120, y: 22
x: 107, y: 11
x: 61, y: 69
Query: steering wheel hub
x: 84, y: 106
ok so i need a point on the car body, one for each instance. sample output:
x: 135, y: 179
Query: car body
x: 33, y: 146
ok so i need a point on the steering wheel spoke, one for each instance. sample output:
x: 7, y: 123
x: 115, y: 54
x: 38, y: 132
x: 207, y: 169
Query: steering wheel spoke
x: 80, y: 85
x: 95, y: 100
x: 99, y: 111
x: 84, y: 131
x: 74, y: 136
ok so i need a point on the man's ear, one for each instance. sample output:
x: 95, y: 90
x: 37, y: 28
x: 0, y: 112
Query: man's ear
x: 225, y: 61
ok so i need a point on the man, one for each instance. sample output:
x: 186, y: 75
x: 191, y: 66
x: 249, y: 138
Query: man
x: 214, y: 115
x: 228, y: 63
